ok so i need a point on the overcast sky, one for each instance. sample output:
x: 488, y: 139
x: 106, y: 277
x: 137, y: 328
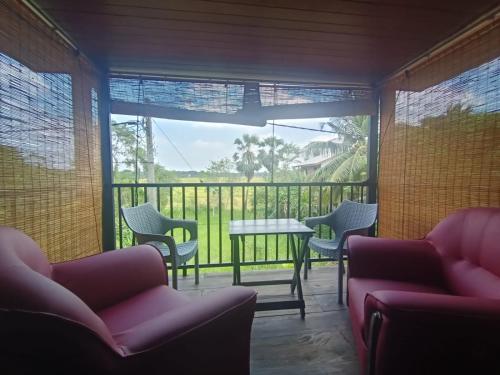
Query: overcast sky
x: 201, y: 142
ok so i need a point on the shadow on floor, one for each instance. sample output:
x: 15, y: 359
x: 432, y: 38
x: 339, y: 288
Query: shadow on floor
x: 282, y: 343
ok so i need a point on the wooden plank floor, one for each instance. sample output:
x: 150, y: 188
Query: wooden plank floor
x: 282, y: 343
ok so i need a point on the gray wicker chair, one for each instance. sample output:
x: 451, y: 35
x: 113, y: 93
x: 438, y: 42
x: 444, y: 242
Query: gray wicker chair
x: 347, y: 219
x: 149, y: 226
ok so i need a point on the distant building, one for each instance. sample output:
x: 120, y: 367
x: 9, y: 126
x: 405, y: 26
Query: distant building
x: 310, y: 166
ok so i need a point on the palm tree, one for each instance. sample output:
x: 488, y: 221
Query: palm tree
x: 347, y: 155
x: 245, y: 158
x: 268, y: 149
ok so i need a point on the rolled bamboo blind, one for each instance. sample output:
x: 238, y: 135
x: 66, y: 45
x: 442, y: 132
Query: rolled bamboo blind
x: 440, y: 136
x: 50, y: 162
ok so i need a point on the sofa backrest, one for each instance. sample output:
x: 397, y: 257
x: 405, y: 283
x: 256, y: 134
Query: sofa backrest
x: 26, y: 286
x: 469, y: 244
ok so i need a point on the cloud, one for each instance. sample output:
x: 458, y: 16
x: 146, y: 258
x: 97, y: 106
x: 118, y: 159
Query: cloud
x: 209, y: 145
x: 325, y: 138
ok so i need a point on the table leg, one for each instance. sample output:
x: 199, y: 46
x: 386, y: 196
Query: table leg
x: 233, y: 260
x: 297, y: 264
x: 302, y: 261
x: 237, y: 271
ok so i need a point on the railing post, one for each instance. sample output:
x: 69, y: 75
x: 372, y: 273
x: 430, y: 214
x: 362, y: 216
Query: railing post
x: 373, y: 155
x: 373, y: 150
x: 108, y: 209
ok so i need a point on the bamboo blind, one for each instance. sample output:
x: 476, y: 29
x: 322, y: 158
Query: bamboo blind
x: 440, y: 136
x: 50, y: 168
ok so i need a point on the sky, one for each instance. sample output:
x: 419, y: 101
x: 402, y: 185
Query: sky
x: 201, y: 142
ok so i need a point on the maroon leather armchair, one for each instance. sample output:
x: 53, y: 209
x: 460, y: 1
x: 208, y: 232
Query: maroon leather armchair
x: 113, y: 314
x: 429, y: 306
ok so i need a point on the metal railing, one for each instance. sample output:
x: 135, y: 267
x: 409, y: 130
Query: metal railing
x: 213, y: 205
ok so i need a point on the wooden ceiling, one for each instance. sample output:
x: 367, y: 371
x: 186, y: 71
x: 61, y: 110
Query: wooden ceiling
x: 341, y: 41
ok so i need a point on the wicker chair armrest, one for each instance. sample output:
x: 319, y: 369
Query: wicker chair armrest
x: 147, y: 238
x: 190, y: 225
x: 311, y: 222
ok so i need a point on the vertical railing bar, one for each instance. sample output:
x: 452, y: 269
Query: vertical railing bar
x: 171, y: 198
x: 288, y: 216
x: 362, y: 188
x: 158, y: 205
x: 266, y: 190
x: 208, y: 224
x: 277, y: 217
x: 196, y: 210
x: 299, y: 196
x: 320, y: 199
x: 352, y: 192
x: 331, y: 210
x: 120, y: 228
x: 231, y: 214
x: 243, y: 208
x: 133, y: 197
x: 310, y: 201
x: 341, y: 193
x: 145, y: 194
x: 255, y: 218
x: 220, y: 224
x: 231, y: 202
x: 309, y: 198
x: 184, y: 211
x: 320, y: 206
x: 196, y: 203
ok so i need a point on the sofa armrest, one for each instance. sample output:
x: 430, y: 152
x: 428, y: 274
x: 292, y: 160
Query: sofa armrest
x: 401, y: 260
x: 210, y: 332
x: 432, y: 305
x: 433, y: 333
x: 103, y: 280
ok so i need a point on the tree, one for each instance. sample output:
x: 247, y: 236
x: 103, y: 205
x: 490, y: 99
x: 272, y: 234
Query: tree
x: 276, y: 155
x: 245, y: 158
x: 126, y: 146
x: 347, y: 155
x: 220, y: 167
x: 287, y: 155
x: 268, y: 153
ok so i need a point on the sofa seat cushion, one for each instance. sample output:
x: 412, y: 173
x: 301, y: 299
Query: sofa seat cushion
x: 141, y: 308
x: 359, y: 288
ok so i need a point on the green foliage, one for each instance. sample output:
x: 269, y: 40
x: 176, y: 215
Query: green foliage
x: 220, y: 167
x: 128, y: 144
x: 275, y: 154
x: 347, y: 155
x: 245, y: 157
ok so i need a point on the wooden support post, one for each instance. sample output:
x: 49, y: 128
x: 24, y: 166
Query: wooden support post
x: 108, y: 210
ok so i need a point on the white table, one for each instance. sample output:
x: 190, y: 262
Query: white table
x: 291, y: 227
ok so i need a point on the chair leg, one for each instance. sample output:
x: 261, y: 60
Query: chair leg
x: 174, y: 276
x: 340, y: 281
x: 184, y: 270
x: 306, y: 261
x: 196, y: 269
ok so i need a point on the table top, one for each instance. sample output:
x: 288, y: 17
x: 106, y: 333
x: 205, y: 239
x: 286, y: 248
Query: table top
x: 267, y: 226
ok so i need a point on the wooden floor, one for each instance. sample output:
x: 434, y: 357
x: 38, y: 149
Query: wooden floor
x: 283, y: 343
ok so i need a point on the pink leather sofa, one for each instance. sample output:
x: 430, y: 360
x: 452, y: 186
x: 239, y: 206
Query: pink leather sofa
x: 113, y: 314
x: 429, y: 306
